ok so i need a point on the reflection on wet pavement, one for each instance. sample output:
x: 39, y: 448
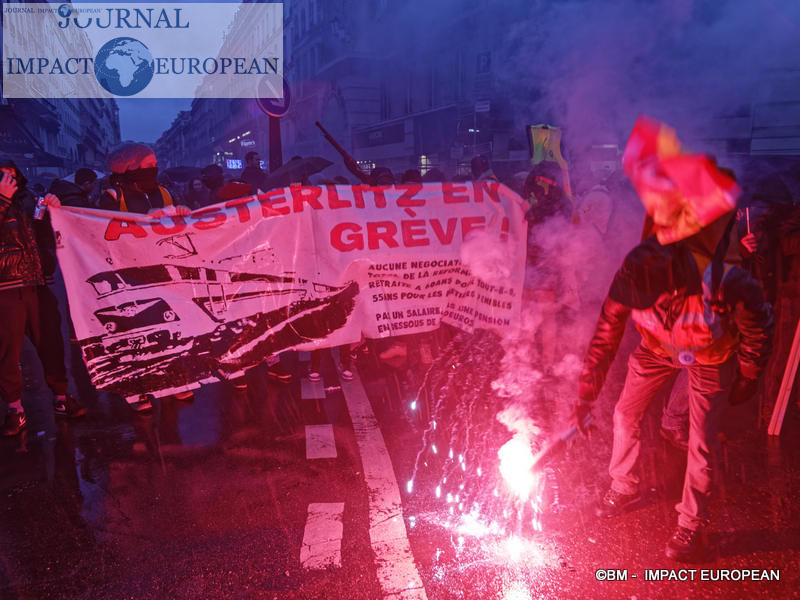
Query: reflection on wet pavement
x: 207, y: 498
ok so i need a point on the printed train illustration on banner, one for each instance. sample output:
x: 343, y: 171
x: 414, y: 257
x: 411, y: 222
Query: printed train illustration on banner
x: 148, y: 336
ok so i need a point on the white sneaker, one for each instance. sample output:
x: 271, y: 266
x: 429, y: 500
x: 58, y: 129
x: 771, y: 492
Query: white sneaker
x: 313, y: 376
x: 347, y: 374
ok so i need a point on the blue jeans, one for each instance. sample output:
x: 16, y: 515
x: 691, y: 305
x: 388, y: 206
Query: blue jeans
x: 709, y: 386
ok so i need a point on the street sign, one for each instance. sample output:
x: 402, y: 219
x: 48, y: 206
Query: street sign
x: 482, y: 106
x: 267, y: 99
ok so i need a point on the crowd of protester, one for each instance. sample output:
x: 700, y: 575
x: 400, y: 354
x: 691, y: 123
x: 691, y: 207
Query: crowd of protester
x: 603, y: 208
x: 762, y: 242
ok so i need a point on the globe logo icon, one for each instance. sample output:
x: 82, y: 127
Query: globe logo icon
x: 124, y: 66
x: 64, y: 10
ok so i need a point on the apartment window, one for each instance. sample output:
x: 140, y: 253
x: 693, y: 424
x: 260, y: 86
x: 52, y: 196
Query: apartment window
x: 425, y: 164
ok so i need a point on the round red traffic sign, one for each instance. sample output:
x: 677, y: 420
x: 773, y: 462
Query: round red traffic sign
x: 267, y: 97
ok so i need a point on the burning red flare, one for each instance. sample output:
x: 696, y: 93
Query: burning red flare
x: 516, y: 466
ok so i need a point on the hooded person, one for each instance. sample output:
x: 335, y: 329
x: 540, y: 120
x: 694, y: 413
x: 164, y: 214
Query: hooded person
x: 770, y: 230
x: 694, y: 311
x: 134, y: 181
x: 545, y: 194
x: 20, y: 265
x: 21, y: 279
x: 20, y: 275
x: 551, y: 290
x: 76, y: 189
x: 768, y: 205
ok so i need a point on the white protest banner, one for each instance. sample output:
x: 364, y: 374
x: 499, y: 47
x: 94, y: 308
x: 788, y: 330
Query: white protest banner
x: 161, y: 305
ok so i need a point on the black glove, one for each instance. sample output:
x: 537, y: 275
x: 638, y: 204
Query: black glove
x: 743, y: 389
x: 581, y: 414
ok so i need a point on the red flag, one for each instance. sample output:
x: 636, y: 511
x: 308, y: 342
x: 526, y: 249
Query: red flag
x: 682, y: 193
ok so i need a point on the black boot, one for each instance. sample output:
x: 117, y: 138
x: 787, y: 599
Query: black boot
x: 687, y: 546
x: 614, y: 503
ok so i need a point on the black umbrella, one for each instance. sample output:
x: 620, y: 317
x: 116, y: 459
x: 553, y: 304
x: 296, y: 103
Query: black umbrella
x: 295, y: 171
x: 182, y: 174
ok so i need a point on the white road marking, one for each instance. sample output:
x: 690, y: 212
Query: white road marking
x: 320, y: 442
x: 311, y: 390
x: 322, y: 538
x: 397, y: 572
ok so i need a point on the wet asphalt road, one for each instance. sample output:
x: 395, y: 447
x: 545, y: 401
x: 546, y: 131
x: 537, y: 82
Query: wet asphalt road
x: 210, y: 499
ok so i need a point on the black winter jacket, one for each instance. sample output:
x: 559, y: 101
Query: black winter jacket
x: 70, y: 194
x: 651, y: 272
x: 19, y: 254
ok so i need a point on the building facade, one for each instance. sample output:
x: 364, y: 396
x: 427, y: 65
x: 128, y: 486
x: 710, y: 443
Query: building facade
x: 407, y: 90
x: 53, y: 137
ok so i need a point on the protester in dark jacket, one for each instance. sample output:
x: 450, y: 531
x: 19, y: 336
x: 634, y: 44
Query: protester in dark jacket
x: 550, y: 288
x: 252, y: 173
x: 779, y: 239
x: 769, y: 202
x: 196, y: 194
x: 213, y: 177
x: 545, y: 194
x: 19, y: 256
x: 134, y: 181
x: 694, y: 312
x: 77, y: 192
x: 20, y: 277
